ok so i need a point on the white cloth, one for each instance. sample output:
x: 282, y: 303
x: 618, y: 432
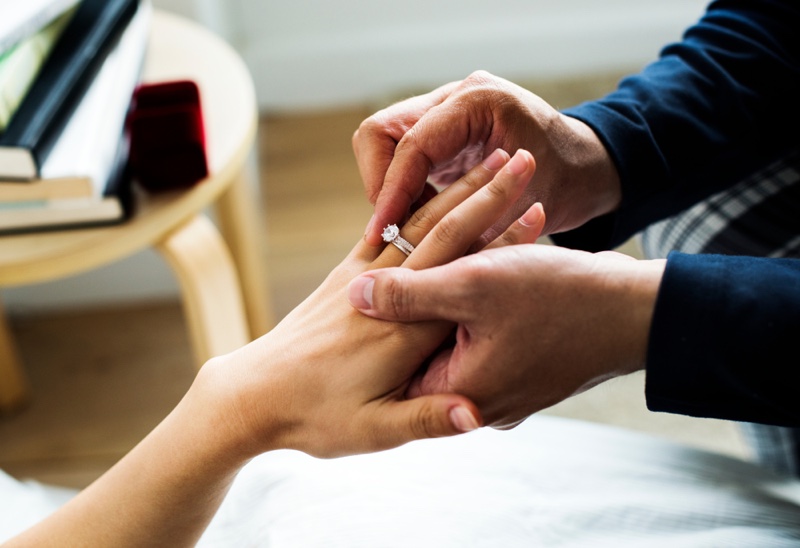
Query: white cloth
x: 549, y: 482
x: 24, y: 503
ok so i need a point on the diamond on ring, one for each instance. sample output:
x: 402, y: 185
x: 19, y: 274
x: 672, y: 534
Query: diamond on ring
x: 391, y: 234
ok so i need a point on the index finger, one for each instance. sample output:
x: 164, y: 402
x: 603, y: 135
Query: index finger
x: 449, y: 138
x: 375, y: 141
x: 443, y: 133
x: 377, y: 136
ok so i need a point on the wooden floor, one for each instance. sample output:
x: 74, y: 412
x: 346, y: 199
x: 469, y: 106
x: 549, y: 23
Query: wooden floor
x: 103, y: 378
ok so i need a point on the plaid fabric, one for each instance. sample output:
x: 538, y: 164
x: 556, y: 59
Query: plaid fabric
x: 775, y: 447
x: 760, y: 216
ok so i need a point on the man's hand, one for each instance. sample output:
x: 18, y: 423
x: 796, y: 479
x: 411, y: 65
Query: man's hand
x: 441, y: 135
x: 536, y: 323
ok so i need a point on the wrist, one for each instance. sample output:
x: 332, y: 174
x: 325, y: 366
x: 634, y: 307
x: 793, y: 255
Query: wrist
x: 589, y: 185
x: 642, y: 294
x: 218, y: 410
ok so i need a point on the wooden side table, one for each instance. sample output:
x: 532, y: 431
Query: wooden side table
x: 222, y: 276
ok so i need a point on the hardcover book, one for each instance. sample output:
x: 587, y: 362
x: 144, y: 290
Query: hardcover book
x: 46, y: 189
x: 112, y: 207
x: 22, y: 18
x: 92, y: 32
x: 20, y: 65
x: 91, y: 155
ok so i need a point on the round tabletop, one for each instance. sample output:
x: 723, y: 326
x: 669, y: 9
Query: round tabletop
x: 178, y: 49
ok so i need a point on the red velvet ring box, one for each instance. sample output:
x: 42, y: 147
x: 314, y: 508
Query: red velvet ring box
x: 167, y: 138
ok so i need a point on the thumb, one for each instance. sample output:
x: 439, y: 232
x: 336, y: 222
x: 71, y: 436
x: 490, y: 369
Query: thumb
x: 402, y: 294
x: 426, y: 417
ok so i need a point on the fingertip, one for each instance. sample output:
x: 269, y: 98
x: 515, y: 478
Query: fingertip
x: 528, y: 155
x: 442, y: 415
x: 372, y: 234
x: 463, y: 419
x: 534, y: 216
x: 525, y: 230
x: 496, y: 160
x: 359, y: 292
x: 521, y: 163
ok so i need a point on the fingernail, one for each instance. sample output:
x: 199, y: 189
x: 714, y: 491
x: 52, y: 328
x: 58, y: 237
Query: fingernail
x: 462, y: 419
x: 359, y: 292
x: 532, y: 216
x: 518, y: 164
x: 495, y: 160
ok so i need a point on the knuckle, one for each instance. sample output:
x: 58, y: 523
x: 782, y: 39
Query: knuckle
x: 450, y: 231
x: 411, y: 139
x: 424, y: 219
x: 505, y: 239
x: 371, y: 191
x: 497, y: 191
x: 397, y: 303
x: 381, y: 125
x: 477, y: 275
x: 484, y: 85
x: 367, y: 126
x: 475, y: 179
x: 480, y: 77
x: 423, y: 422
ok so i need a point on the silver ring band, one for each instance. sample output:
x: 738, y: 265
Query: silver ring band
x: 403, y: 245
x: 391, y: 234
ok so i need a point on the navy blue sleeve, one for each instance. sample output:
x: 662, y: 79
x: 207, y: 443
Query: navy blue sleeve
x: 724, y: 339
x: 715, y: 107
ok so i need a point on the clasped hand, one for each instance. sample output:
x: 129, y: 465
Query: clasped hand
x: 439, y: 135
x: 536, y: 323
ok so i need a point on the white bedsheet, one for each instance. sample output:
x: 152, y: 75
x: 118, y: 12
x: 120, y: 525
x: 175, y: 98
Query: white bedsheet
x: 23, y: 503
x: 549, y: 482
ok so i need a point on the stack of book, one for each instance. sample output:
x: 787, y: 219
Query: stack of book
x: 68, y: 72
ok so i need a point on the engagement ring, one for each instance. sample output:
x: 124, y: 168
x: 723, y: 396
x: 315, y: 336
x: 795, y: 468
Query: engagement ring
x: 391, y: 234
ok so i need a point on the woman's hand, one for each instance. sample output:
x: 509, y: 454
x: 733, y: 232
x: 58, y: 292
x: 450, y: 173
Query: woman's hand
x: 327, y: 380
x: 330, y: 381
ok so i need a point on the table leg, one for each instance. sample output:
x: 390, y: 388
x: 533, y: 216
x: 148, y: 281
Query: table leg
x: 240, y: 222
x: 212, y: 296
x: 14, y: 391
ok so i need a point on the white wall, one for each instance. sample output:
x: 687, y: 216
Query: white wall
x: 321, y: 53
x: 316, y: 52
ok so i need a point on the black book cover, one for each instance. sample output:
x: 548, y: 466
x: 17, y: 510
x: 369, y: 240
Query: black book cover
x: 65, y: 76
